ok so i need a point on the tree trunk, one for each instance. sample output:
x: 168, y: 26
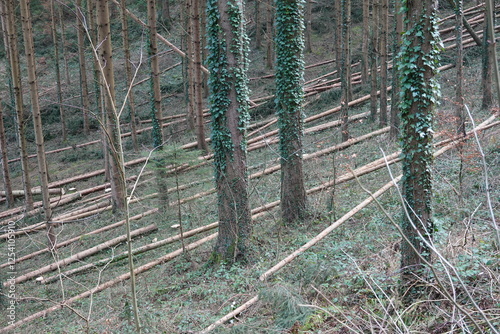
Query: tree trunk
x: 398, y: 29
x: 227, y: 59
x: 83, y: 66
x: 258, y: 26
x: 128, y: 70
x: 289, y: 98
x: 37, y: 120
x: 337, y: 35
x: 198, y: 82
x: 5, y: 162
x: 373, y: 60
x: 269, y: 34
x: 345, y: 67
x: 384, y: 17
x: 60, y: 12
x: 55, y: 41
x: 18, y: 94
x: 419, y: 62
x: 308, y: 30
x: 157, y: 132
x: 486, y: 78
x: 459, y: 98
x: 364, y: 45
x: 118, y: 191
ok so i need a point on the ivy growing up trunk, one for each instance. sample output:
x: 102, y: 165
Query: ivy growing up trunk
x: 418, y: 65
x: 227, y: 62
x: 289, y: 42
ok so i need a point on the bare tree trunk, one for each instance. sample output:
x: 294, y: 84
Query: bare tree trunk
x: 373, y: 60
x: 198, y: 83
x: 345, y: 67
x: 364, y: 45
x: 398, y: 29
x: 229, y: 109
x: 490, y: 15
x: 55, y: 41
x: 60, y: 12
x: 486, y: 78
x: 337, y: 35
x: 83, y: 66
x: 384, y: 17
x: 18, y: 93
x: 308, y: 31
x: 105, y: 52
x: 258, y: 26
x: 128, y: 70
x: 156, y: 111
x: 37, y: 120
x: 5, y: 162
x: 459, y: 97
x: 269, y: 34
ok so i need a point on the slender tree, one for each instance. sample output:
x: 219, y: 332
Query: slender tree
x: 308, y: 26
x: 155, y: 77
x: 228, y: 63
x: 364, y: 46
x: 258, y: 26
x: 128, y: 70
x: 55, y: 41
x: 384, y: 23
x: 198, y: 81
x: 62, y: 27
x: 398, y: 29
x: 487, y: 62
x: 5, y: 162
x: 29, y: 51
x: 418, y: 65
x: 289, y: 98
x: 83, y: 66
x: 373, y: 60
x: 345, y: 67
x: 269, y: 34
x: 105, y: 53
x: 459, y: 97
x: 18, y: 94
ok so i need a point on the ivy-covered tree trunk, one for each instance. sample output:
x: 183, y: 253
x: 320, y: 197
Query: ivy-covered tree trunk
x: 29, y: 51
x: 289, y: 97
x: 418, y: 65
x: 227, y: 61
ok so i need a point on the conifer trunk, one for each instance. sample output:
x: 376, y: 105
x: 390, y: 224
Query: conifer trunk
x: 364, y: 45
x: 84, y: 88
x: 345, y: 67
x: 384, y: 17
x: 105, y: 52
x: 373, y: 60
x: 37, y: 120
x: 18, y: 94
x: 398, y: 29
x: 5, y: 162
x: 270, y: 34
x: 289, y: 98
x: 228, y: 64
x: 128, y: 70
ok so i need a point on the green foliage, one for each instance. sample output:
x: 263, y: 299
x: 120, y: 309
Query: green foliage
x: 286, y: 304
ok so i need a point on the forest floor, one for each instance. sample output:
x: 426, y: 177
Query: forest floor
x: 346, y: 283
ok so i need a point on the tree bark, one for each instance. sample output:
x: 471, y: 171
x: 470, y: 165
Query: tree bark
x: 345, y: 67
x: 156, y: 112
x: 118, y: 191
x: 486, y: 73
x: 398, y: 30
x: 18, y: 94
x: 364, y: 46
x: 227, y: 59
x: 128, y: 70
x: 83, y: 66
x: 55, y: 41
x: 384, y: 17
x: 269, y: 34
x: 373, y: 60
x: 37, y: 120
x: 5, y: 162
x: 289, y: 98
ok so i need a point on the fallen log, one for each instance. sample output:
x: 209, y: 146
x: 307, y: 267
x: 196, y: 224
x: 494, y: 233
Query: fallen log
x: 83, y: 254
x: 35, y: 191
x: 80, y: 237
x: 108, y: 284
x: 136, y: 251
